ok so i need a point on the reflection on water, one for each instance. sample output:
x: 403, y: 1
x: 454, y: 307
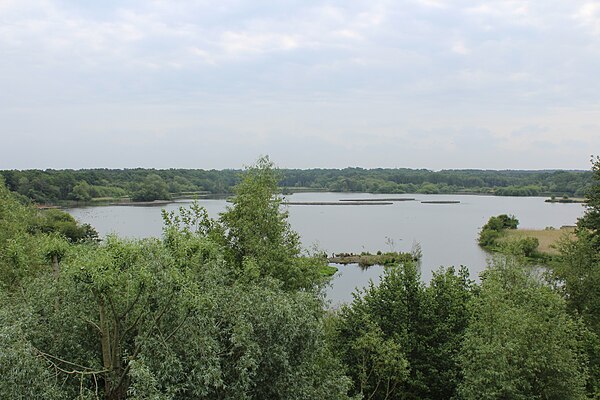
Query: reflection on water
x: 447, y: 233
x: 348, y: 278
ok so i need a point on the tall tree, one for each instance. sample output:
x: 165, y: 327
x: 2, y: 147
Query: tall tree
x: 17, y: 244
x: 401, y: 339
x: 577, y: 274
x: 521, y: 343
x: 591, y: 218
x: 258, y: 234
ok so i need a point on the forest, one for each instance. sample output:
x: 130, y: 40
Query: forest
x: 233, y: 307
x: 54, y: 186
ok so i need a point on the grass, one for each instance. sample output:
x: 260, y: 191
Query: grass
x: 548, y: 238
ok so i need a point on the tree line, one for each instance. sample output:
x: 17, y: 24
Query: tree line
x: 51, y: 186
x: 233, y: 308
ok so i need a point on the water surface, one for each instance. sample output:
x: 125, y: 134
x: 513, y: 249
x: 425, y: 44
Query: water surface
x: 446, y: 233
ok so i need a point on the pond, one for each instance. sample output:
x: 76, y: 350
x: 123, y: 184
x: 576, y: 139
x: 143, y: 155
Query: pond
x: 446, y: 233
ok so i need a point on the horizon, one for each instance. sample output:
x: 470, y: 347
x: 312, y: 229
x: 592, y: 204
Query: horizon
x: 241, y: 169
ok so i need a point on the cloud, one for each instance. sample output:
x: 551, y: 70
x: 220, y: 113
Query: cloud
x: 432, y: 3
x: 588, y: 15
x: 406, y: 78
x: 459, y: 47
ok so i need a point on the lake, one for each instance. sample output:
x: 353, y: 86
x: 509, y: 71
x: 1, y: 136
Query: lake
x: 446, y: 233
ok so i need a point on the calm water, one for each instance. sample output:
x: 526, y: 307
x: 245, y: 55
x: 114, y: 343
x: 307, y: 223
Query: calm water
x: 447, y: 233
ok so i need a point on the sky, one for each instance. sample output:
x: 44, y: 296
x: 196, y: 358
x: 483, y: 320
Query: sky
x: 490, y: 84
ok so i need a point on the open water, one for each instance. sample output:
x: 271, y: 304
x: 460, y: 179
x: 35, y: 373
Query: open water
x: 446, y: 233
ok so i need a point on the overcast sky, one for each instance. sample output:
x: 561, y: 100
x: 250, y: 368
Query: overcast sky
x: 215, y: 84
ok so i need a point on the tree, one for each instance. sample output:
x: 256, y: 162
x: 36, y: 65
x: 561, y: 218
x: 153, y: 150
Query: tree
x: 449, y: 296
x: 591, y: 219
x: 82, y: 191
x: 169, y: 318
x: 18, y: 254
x: 62, y: 223
x: 524, y: 247
x: 494, y: 228
x: 259, y: 235
x: 153, y: 188
x: 521, y: 343
x: 135, y: 319
x: 24, y: 374
x: 401, y: 339
x: 576, y: 272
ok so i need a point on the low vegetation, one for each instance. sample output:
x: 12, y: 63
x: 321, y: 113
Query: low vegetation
x: 548, y: 240
x: 497, y: 235
x: 366, y: 259
x: 500, y: 234
x: 565, y: 199
x: 495, y: 228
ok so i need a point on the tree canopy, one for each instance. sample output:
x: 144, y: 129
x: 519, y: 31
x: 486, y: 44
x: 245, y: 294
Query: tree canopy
x: 233, y: 308
x: 520, y: 342
x: 51, y: 186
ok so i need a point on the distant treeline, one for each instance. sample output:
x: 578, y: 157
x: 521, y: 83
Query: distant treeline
x: 47, y: 186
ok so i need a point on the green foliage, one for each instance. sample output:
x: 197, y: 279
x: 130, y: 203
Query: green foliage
x: 175, y: 318
x: 24, y: 373
x: 133, y: 317
x: 81, y: 192
x: 401, y: 339
x: 258, y: 232
x: 488, y: 237
x: 448, y: 297
x: 493, y: 229
x: 591, y: 219
x: 529, y: 190
x: 328, y: 270
x: 82, y: 185
x: 502, y: 222
x: 31, y: 239
x: 428, y: 188
x: 18, y: 253
x: 230, y: 308
x: 578, y: 269
x: 152, y: 188
x: 526, y: 247
x: 62, y: 223
x: 577, y: 275
x: 521, y: 343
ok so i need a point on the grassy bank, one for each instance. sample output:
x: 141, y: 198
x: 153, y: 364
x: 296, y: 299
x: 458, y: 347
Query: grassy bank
x: 547, y: 238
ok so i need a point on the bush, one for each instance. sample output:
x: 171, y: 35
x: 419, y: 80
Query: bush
x: 492, y: 230
x: 487, y: 237
x: 522, y: 247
